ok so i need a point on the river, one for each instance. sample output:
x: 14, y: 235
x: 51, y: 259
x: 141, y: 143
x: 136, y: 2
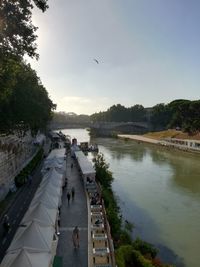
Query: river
x: 159, y: 191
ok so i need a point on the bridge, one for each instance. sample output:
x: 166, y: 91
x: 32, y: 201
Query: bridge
x: 113, y: 128
x: 112, y: 125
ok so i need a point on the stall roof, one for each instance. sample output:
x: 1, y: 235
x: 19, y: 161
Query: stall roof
x: 33, y: 235
x: 57, y: 153
x: 47, y: 199
x: 27, y: 257
x: 84, y: 163
x: 41, y: 213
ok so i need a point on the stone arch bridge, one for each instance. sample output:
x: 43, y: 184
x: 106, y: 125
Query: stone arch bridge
x: 113, y: 128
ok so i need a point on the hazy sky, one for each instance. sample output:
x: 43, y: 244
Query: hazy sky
x: 148, y: 52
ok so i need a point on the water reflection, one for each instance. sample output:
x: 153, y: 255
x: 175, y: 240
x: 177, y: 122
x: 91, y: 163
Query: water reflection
x: 186, y: 171
x: 159, y: 191
x: 120, y: 148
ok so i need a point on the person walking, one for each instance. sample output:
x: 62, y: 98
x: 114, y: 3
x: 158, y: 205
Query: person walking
x: 68, y: 197
x: 29, y: 179
x: 75, y: 237
x: 73, y: 193
x: 6, y: 223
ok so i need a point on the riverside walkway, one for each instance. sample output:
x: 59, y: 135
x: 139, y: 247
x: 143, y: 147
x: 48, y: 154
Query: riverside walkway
x: 73, y: 214
x: 138, y: 138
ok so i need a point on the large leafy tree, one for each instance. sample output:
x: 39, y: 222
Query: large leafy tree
x: 17, y: 33
x: 27, y: 104
x: 24, y: 102
x: 161, y: 115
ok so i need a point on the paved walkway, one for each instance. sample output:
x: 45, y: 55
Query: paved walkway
x: 139, y: 138
x: 72, y: 214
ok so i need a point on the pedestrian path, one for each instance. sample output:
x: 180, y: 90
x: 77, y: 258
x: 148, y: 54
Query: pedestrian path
x: 73, y: 214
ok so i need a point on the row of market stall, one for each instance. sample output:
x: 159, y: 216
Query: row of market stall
x: 35, y: 241
x: 100, y: 251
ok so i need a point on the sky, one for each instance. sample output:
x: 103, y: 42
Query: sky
x: 148, y: 52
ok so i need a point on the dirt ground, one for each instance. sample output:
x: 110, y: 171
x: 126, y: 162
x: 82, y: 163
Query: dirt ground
x: 172, y: 134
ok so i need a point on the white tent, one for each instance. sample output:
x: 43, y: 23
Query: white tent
x: 41, y: 213
x: 52, y: 176
x: 46, y: 199
x: 33, y: 235
x: 27, y: 258
x: 85, y: 166
x: 50, y: 188
x: 50, y: 164
x: 59, y: 154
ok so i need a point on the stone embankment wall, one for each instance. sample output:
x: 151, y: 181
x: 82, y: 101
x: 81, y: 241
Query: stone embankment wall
x: 14, y: 154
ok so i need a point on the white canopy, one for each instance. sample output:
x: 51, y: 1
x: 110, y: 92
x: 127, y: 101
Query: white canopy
x: 49, y: 188
x: 84, y: 163
x: 59, y: 154
x: 53, y: 174
x: 45, y: 198
x: 27, y: 258
x: 41, y: 213
x: 33, y: 235
x: 54, y: 163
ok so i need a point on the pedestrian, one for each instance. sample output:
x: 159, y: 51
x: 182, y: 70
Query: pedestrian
x: 73, y: 193
x: 29, y: 179
x: 68, y: 197
x: 6, y: 223
x: 72, y: 165
x: 75, y: 237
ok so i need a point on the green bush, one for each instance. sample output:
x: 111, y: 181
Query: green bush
x: 139, y: 260
x: 21, y: 178
x: 145, y: 248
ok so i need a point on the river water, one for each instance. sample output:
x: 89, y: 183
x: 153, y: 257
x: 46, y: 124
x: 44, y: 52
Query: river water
x: 159, y: 191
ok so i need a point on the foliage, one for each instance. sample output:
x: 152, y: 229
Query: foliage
x: 112, y: 211
x: 128, y: 226
x: 21, y: 178
x: 126, y: 256
x: 122, y: 254
x: 118, y: 113
x: 180, y: 113
x: 161, y: 115
x: 103, y: 175
x: 145, y: 248
x: 24, y: 102
x: 17, y: 33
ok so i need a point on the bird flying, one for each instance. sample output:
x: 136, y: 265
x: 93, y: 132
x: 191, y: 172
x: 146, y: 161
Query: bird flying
x: 96, y: 60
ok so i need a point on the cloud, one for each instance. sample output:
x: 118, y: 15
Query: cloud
x: 83, y: 105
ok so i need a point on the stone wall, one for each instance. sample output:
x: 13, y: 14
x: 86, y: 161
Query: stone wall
x: 15, y: 152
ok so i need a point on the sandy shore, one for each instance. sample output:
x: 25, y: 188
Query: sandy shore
x: 138, y: 138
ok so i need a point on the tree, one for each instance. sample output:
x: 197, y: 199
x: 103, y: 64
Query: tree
x: 17, y: 33
x: 25, y: 103
x: 161, y: 116
x: 137, y: 113
x: 103, y: 175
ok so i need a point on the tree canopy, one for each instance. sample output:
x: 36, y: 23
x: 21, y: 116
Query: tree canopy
x: 118, y: 113
x: 24, y: 102
x: 23, y: 98
x: 17, y: 33
x: 180, y: 113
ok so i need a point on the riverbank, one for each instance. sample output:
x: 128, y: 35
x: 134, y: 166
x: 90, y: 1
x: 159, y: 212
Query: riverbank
x: 138, y: 138
x: 170, y: 139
